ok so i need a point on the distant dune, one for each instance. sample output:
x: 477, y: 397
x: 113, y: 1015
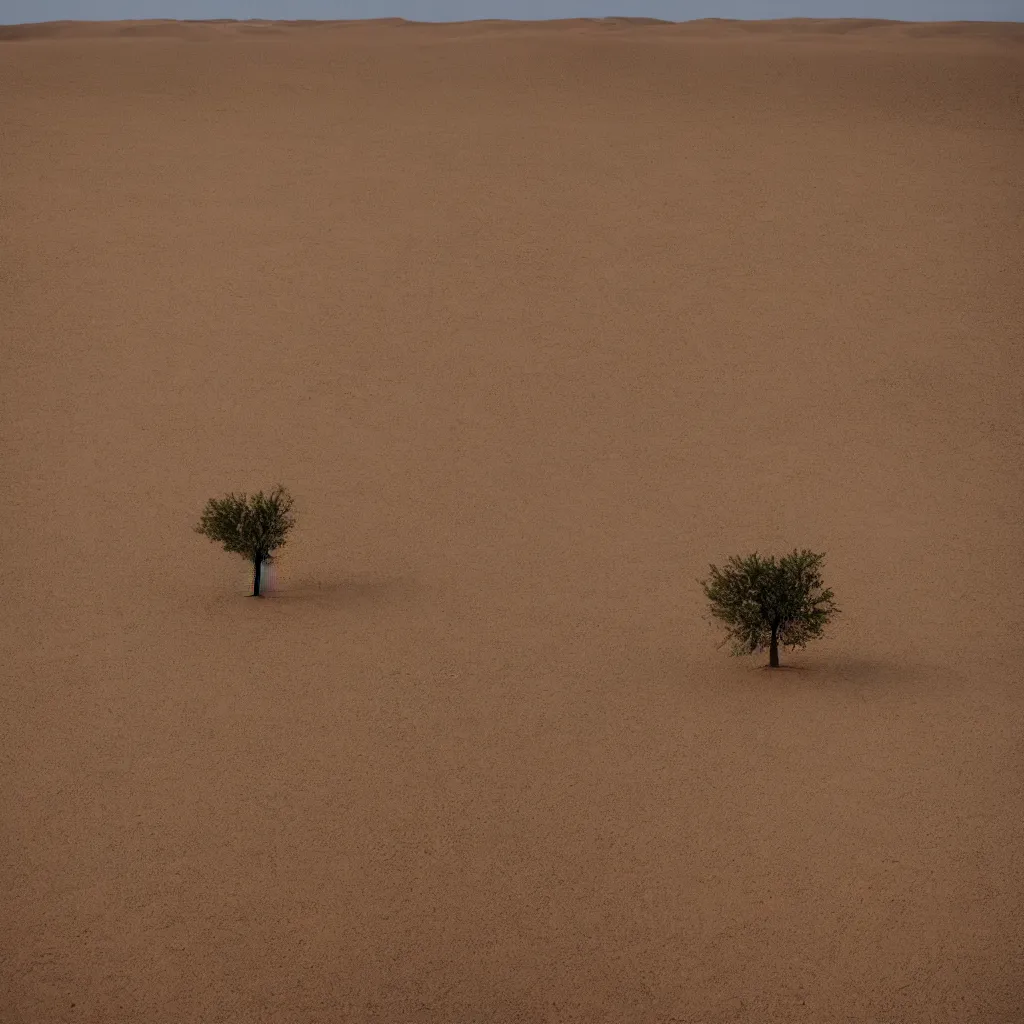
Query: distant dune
x: 873, y: 29
x: 536, y: 321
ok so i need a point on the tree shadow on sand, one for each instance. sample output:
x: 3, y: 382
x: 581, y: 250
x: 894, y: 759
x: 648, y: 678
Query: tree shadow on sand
x: 352, y: 590
x: 867, y: 677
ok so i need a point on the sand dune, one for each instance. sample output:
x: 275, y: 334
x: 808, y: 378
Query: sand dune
x: 874, y: 29
x: 535, y: 320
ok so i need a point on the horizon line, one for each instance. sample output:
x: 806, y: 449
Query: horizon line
x: 636, y: 19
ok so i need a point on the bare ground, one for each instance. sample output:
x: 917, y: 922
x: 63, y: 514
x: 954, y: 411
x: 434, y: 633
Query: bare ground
x: 536, y: 321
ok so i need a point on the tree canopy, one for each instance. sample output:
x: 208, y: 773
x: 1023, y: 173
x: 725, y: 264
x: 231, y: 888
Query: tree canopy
x: 765, y: 603
x: 253, y: 527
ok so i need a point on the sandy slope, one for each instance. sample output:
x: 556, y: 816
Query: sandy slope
x: 535, y: 321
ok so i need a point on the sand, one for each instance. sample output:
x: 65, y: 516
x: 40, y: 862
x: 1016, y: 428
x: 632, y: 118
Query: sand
x: 536, y: 322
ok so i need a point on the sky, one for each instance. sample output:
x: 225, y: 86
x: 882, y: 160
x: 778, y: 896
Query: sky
x: 14, y: 12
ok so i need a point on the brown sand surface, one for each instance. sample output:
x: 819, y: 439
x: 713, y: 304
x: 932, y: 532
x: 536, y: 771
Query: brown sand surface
x: 535, y: 321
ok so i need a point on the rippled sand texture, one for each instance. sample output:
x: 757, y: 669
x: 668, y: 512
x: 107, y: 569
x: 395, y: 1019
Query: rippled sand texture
x: 536, y: 321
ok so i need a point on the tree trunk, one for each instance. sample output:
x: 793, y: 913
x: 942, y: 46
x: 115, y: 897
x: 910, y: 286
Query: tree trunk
x: 773, y: 651
x: 257, y: 565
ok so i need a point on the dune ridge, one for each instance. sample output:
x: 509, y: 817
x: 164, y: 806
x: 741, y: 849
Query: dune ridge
x: 872, y: 29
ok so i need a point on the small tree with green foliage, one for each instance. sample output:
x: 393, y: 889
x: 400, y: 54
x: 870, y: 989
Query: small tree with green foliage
x: 765, y: 604
x: 252, y: 527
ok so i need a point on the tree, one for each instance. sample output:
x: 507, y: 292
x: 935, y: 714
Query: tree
x: 253, y: 527
x: 766, y: 604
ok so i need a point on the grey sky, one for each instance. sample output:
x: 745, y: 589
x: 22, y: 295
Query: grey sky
x: 18, y: 11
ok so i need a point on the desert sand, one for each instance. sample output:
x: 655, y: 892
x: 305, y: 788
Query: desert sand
x: 536, y: 321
